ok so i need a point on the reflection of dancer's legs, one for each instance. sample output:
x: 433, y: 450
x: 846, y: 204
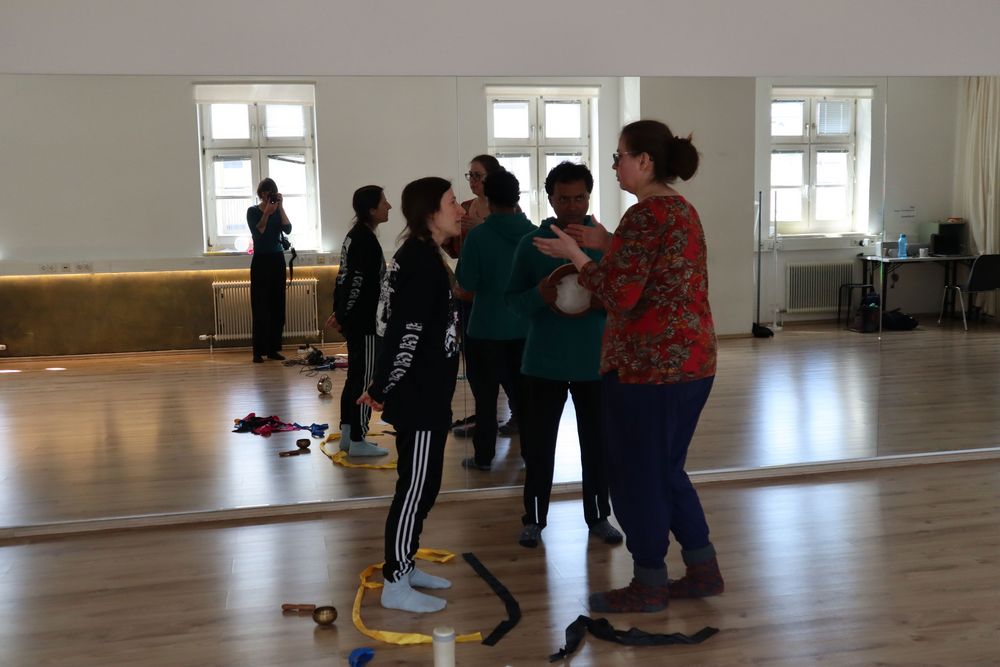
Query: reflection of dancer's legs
x: 354, y: 418
x: 421, y: 458
x: 267, y: 302
x: 464, y: 313
x: 485, y: 384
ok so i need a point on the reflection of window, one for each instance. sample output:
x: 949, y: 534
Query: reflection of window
x: 532, y: 130
x: 249, y: 132
x: 817, y: 140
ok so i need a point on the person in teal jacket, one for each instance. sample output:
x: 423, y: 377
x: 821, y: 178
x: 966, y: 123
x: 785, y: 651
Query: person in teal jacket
x: 495, y: 335
x: 561, y: 354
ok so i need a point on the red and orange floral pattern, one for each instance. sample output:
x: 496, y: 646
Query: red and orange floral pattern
x: 654, y: 284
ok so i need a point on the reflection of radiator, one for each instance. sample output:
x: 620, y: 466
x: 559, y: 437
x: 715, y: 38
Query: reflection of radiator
x: 232, y: 309
x: 811, y: 288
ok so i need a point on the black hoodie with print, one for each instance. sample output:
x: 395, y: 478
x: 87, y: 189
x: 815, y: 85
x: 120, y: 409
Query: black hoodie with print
x: 417, y: 366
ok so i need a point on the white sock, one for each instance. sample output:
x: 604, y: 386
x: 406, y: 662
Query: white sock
x: 421, y: 579
x: 365, y: 448
x: 400, y: 595
x: 345, y: 437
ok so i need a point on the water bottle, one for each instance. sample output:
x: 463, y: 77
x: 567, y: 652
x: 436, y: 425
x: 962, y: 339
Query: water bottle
x: 901, y: 251
x: 444, y: 647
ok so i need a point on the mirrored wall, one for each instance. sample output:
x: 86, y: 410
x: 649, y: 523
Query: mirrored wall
x: 815, y: 392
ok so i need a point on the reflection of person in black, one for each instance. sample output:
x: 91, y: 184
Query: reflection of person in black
x: 355, y: 300
x: 267, y: 220
x: 415, y: 380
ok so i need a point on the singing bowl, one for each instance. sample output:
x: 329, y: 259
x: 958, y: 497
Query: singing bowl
x: 572, y: 300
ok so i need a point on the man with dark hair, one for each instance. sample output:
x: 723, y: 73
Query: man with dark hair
x: 495, y: 337
x: 561, y: 354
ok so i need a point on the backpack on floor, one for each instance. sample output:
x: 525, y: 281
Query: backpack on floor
x: 866, y: 320
x: 895, y: 320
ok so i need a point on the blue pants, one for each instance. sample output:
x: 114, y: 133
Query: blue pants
x: 647, y: 432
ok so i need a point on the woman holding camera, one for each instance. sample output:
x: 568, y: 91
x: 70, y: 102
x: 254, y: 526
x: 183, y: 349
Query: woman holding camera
x: 267, y: 220
x: 415, y: 380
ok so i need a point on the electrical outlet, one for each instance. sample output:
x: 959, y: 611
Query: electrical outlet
x: 65, y: 268
x: 84, y: 267
x: 3, y: 348
x: 47, y: 268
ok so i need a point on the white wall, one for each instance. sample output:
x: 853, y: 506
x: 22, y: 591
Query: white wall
x: 98, y: 167
x: 105, y: 169
x: 453, y: 37
x: 719, y: 113
x: 385, y: 131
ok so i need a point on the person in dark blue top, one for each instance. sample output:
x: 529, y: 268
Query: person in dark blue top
x: 267, y: 220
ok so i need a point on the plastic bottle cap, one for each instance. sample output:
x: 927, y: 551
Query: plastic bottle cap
x: 444, y: 633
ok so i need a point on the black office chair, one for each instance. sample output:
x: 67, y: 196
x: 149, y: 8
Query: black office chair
x: 984, y: 276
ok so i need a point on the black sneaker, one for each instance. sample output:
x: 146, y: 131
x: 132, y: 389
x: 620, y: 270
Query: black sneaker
x: 470, y: 462
x: 277, y: 356
x: 509, y: 429
x: 607, y: 533
x: 465, y: 428
x: 530, y: 535
x: 257, y: 359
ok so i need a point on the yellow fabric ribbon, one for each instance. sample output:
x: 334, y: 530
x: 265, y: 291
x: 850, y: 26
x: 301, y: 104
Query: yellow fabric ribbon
x: 340, y: 458
x: 401, y: 638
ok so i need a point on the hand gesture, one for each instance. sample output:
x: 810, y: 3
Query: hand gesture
x: 596, y: 237
x: 563, y: 246
x: 365, y: 399
x: 332, y: 323
x: 548, y: 292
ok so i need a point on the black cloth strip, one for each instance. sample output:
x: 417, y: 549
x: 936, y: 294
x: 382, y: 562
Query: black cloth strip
x: 513, y: 608
x: 602, y: 629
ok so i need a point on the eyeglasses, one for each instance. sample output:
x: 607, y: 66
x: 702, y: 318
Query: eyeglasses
x: 474, y: 176
x: 617, y: 156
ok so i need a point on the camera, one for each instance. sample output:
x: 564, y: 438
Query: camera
x: 272, y: 199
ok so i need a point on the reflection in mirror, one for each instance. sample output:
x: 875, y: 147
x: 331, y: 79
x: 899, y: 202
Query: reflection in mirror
x: 151, y: 434
x: 935, y: 395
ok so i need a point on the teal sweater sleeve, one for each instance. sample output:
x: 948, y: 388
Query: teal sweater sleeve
x: 522, y: 295
x: 468, y: 270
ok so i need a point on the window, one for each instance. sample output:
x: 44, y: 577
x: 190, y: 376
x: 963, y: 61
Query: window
x: 531, y: 130
x: 249, y: 132
x: 820, y: 144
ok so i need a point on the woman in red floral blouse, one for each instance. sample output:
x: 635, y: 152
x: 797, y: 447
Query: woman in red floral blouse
x: 657, y: 364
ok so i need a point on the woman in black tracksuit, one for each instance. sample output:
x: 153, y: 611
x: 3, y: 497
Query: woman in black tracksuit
x: 355, y: 300
x: 415, y: 380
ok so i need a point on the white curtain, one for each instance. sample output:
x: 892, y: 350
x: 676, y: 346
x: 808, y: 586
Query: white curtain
x: 978, y: 174
x: 979, y: 160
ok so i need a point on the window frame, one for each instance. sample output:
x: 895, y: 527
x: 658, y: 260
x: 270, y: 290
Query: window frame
x: 810, y: 143
x: 537, y: 147
x: 258, y: 147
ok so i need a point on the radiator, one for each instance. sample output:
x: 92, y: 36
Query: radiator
x: 232, y: 309
x: 812, y: 288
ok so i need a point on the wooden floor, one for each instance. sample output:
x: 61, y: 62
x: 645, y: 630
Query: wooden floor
x: 150, y: 435
x: 898, y: 566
